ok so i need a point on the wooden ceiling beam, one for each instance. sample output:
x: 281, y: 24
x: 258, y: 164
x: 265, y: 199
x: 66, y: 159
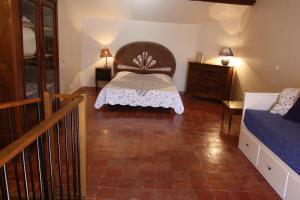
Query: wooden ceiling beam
x: 237, y: 2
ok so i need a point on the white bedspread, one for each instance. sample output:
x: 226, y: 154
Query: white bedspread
x: 154, y: 90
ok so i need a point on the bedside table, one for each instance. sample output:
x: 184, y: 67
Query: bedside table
x: 102, y: 74
x: 232, y: 108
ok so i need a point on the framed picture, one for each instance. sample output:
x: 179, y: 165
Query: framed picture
x: 199, y: 57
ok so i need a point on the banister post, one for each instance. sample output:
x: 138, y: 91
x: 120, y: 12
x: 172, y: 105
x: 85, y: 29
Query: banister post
x: 47, y: 105
x: 82, y: 139
x: 48, y: 109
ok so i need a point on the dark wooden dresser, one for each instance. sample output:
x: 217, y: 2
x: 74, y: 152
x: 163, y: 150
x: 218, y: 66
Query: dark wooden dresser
x: 209, y: 81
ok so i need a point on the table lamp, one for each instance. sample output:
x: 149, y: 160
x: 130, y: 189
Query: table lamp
x: 226, y: 52
x: 105, y: 53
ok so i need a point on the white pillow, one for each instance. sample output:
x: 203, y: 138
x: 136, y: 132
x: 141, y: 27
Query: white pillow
x: 286, y: 100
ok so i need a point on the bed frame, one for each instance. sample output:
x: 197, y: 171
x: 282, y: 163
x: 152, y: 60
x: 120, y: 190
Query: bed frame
x: 145, y: 58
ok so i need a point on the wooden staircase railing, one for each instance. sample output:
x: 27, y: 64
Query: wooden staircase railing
x: 19, y: 103
x: 48, y: 161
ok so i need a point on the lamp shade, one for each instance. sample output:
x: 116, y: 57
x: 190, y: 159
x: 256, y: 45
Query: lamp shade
x: 104, y: 53
x: 226, y: 52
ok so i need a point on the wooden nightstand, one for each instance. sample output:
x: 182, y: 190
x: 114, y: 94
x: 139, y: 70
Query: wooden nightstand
x: 102, y: 74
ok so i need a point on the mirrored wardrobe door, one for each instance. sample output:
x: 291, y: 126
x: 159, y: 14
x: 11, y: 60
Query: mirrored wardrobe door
x: 30, y: 49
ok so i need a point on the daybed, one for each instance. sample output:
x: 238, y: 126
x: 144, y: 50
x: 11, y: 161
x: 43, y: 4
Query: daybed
x: 272, y: 144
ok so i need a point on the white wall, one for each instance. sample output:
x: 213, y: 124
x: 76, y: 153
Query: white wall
x: 184, y: 40
x: 181, y: 39
x: 83, y: 30
x: 263, y: 37
x: 269, y: 48
x: 69, y: 25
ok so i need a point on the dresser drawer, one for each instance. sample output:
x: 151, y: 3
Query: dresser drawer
x: 209, y: 77
x: 293, y: 188
x: 207, y: 95
x: 210, y: 90
x: 249, y: 147
x: 204, y: 73
x: 273, y: 172
x: 208, y: 85
x: 209, y: 68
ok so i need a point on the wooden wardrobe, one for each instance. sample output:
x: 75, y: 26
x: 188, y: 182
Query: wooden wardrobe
x: 28, y: 50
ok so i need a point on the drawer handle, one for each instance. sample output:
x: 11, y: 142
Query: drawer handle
x: 247, y: 145
x: 269, y: 168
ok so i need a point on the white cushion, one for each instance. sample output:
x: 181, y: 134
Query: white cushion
x: 286, y: 100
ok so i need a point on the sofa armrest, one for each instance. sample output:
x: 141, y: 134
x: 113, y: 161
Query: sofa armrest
x: 260, y: 101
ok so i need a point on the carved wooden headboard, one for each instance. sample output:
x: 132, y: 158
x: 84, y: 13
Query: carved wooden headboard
x: 145, y: 58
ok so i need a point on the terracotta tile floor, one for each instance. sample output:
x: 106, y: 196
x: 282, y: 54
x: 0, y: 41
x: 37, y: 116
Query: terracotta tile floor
x: 152, y: 154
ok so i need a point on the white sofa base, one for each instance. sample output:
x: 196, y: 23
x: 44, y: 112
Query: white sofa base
x: 284, y: 180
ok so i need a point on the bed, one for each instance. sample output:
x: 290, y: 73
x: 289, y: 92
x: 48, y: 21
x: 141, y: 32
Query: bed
x: 143, y: 77
x: 272, y: 144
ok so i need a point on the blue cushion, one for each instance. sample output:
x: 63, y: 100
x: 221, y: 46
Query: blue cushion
x: 281, y: 136
x: 294, y: 113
